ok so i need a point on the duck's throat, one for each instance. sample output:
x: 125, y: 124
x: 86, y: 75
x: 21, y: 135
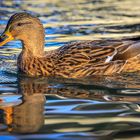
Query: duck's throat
x: 33, y: 47
x: 30, y: 54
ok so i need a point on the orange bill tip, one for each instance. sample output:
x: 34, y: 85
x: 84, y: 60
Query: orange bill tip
x: 5, y: 38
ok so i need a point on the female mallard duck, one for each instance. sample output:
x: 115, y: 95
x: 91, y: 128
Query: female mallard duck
x: 74, y: 60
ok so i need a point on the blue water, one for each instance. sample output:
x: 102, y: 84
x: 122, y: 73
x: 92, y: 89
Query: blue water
x: 100, y: 108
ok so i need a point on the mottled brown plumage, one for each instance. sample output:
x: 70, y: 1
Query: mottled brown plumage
x: 74, y: 60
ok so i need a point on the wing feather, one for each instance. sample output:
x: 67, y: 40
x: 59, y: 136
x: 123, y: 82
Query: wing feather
x: 94, y: 57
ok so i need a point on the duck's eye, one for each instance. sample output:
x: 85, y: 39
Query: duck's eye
x: 16, y: 25
x: 19, y: 24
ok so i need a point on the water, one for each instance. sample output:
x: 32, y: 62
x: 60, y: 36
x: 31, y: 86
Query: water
x: 97, y: 108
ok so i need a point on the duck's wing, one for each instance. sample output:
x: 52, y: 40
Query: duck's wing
x: 95, y: 57
x: 127, y: 50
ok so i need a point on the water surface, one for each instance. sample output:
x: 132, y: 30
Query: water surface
x: 93, y: 108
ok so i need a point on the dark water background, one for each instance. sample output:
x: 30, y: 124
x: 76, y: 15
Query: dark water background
x: 98, y: 108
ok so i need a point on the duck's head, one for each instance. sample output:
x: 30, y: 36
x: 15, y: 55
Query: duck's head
x: 28, y: 29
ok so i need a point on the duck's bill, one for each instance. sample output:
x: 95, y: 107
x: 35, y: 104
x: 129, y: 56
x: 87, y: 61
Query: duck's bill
x: 5, y: 37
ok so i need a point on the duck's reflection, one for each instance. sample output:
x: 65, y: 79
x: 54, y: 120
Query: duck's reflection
x: 28, y: 116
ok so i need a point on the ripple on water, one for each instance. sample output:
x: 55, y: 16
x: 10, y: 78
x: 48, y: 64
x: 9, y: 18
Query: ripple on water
x: 10, y: 99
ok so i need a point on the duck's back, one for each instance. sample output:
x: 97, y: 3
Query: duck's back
x: 100, y: 57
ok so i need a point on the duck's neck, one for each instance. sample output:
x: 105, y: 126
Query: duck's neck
x: 33, y: 48
x: 33, y: 41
